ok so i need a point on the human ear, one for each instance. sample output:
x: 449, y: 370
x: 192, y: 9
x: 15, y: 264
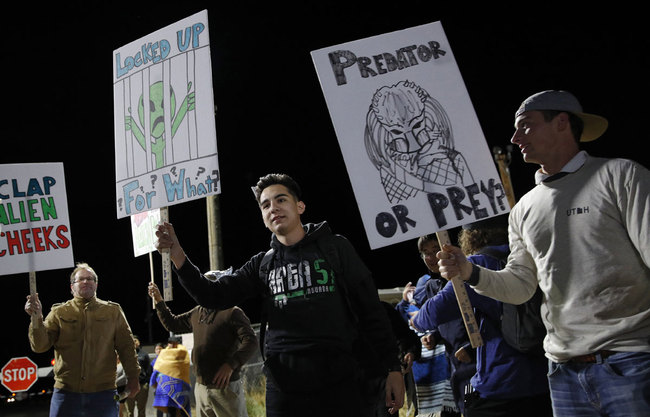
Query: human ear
x: 562, y: 121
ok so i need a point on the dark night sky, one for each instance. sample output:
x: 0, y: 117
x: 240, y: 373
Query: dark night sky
x: 59, y: 108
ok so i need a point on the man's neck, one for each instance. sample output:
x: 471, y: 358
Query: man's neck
x: 292, y: 237
x: 556, y: 165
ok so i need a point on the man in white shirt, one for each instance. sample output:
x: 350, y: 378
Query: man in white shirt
x: 583, y: 234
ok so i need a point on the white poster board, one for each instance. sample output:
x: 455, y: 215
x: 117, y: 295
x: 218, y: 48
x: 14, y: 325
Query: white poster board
x: 412, y: 144
x: 165, y: 136
x: 34, y: 224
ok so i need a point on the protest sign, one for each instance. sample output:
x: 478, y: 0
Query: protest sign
x: 165, y: 136
x: 412, y: 144
x: 143, y: 229
x: 34, y: 225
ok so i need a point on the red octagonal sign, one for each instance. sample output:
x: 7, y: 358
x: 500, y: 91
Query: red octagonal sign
x: 19, y: 374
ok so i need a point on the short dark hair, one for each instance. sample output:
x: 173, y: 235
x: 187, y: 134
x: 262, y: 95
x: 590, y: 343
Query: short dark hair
x: 577, y: 125
x: 422, y: 240
x: 281, y: 179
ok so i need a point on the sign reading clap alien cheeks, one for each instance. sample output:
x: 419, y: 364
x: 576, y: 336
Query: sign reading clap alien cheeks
x: 165, y: 136
x: 34, y: 224
x: 414, y: 150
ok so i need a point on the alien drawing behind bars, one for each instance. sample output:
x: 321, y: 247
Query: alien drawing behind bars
x: 409, y: 140
x: 157, y: 104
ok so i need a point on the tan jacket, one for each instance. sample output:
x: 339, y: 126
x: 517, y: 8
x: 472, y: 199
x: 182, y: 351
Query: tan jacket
x: 85, y: 336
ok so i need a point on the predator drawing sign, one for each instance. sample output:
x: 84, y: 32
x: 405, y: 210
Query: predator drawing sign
x: 412, y: 144
x: 165, y: 135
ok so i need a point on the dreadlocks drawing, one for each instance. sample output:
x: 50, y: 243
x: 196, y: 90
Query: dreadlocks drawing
x: 409, y: 140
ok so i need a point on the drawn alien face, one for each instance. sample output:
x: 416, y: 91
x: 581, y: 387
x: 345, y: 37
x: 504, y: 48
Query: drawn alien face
x: 402, y: 114
x: 408, y: 139
x: 156, y: 108
x: 413, y: 128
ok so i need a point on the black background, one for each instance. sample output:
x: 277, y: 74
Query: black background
x: 272, y: 117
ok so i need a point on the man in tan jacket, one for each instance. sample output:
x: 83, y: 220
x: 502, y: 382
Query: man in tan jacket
x: 87, y: 335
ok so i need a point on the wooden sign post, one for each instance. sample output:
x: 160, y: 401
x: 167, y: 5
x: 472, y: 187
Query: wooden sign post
x: 166, y: 262
x: 503, y: 159
x: 32, y: 287
x: 464, y: 304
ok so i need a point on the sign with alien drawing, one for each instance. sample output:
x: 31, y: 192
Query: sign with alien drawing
x: 414, y: 150
x: 165, y: 136
x: 34, y: 224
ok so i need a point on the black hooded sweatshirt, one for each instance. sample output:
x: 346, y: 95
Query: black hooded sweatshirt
x: 305, y: 307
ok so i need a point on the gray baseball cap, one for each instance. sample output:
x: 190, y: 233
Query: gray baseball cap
x: 594, y: 126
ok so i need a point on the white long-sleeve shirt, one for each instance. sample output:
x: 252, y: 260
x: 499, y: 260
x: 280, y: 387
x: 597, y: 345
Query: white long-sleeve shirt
x: 585, y: 238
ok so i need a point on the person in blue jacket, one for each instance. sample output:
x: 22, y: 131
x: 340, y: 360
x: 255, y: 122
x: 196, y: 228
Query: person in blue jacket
x: 437, y: 389
x: 507, y: 382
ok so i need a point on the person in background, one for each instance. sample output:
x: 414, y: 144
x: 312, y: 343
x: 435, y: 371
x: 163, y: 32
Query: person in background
x: 581, y: 234
x: 506, y: 383
x: 85, y: 356
x: 120, y: 382
x: 306, y: 290
x: 224, y: 341
x: 156, y: 350
x: 171, y: 379
x: 140, y: 400
x: 447, y: 359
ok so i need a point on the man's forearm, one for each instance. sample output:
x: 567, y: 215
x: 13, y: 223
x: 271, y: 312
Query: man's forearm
x: 177, y: 256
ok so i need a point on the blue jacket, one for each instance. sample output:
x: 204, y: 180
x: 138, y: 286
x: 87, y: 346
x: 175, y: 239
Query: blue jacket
x: 451, y: 333
x: 501, y: 371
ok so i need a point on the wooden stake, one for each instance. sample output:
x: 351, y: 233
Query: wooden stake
x: 166, y: 262
x: 153, y: 302
x: 464, y: 304
x: 32, y: 291
x: 502, y: 162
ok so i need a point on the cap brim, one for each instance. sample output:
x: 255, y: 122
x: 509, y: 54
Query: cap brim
x: 594, y: 126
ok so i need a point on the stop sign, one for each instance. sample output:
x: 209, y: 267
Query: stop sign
x: 19, y: 374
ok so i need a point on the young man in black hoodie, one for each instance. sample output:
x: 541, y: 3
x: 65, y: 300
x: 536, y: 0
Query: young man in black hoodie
x: 319, y: 300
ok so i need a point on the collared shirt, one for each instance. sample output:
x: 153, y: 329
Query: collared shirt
x: 572, y: 166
